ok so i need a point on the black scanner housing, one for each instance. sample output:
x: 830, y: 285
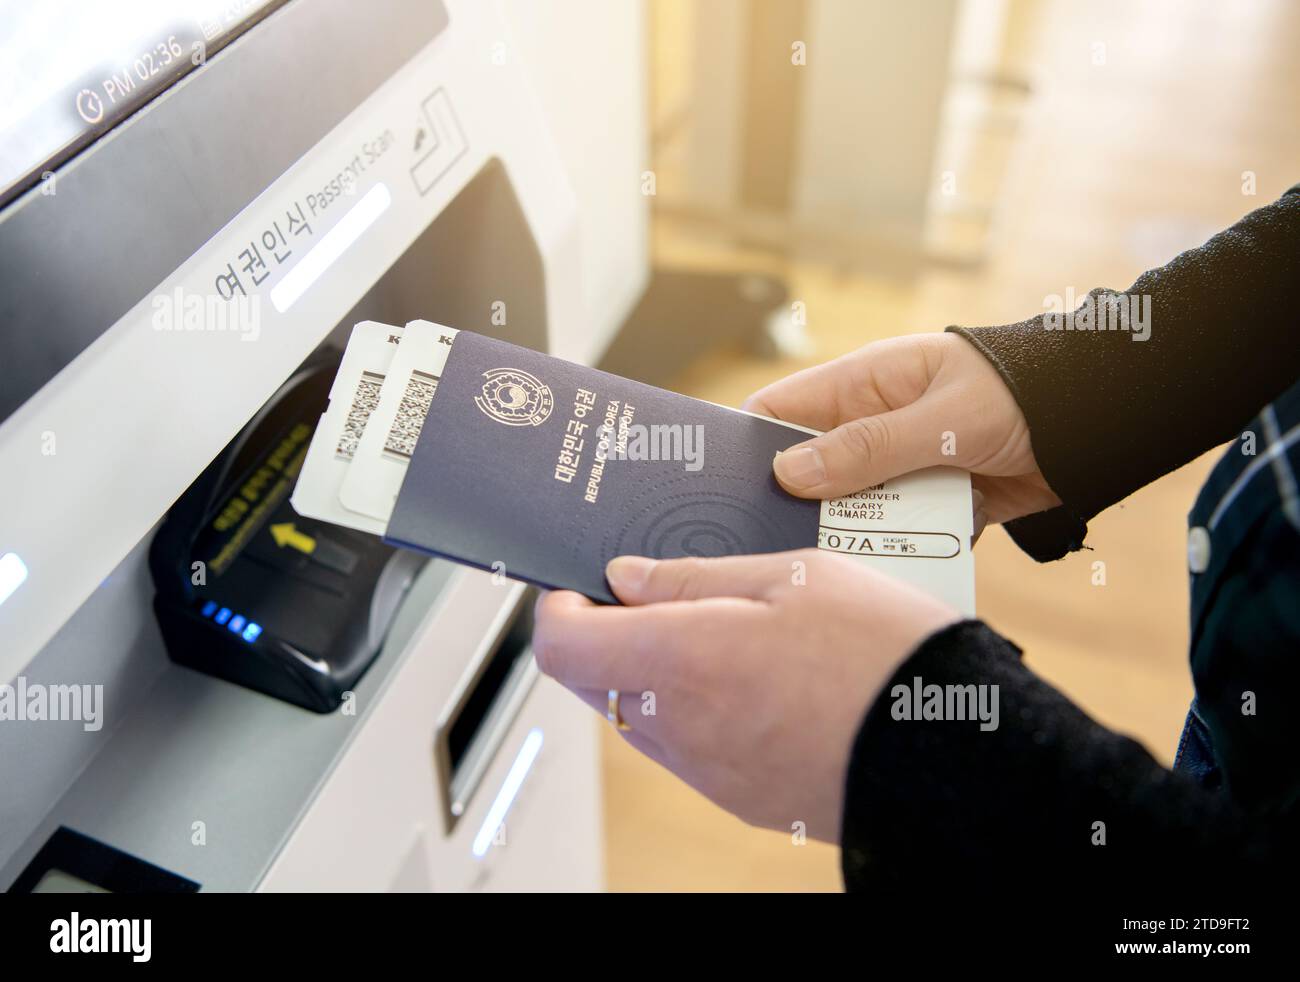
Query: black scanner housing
x: 321, y: 597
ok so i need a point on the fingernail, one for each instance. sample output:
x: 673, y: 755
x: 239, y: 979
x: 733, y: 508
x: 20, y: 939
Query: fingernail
x: 627, y: 574
x: 801, y: 467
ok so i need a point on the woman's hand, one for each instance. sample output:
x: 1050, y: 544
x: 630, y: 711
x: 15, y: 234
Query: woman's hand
x: 746, y: 676
x: 899, y: 405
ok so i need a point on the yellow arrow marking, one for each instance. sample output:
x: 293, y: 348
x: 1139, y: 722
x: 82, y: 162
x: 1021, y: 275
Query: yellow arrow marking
x: 286, y: 535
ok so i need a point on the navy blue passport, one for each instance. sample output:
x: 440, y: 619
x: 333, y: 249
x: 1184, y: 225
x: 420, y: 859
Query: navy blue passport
x: 546, y: 470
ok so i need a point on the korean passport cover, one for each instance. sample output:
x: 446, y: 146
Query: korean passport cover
x: 544, y: 470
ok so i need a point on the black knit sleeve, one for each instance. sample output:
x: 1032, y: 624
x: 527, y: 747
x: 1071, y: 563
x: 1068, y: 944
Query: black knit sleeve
x: 1043, y: 789
x: 1109, y: 412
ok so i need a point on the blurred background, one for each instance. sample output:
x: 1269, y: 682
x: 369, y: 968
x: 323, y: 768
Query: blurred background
x: 825, y: 173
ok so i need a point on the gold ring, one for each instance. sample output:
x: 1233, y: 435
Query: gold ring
x: 612, y: 712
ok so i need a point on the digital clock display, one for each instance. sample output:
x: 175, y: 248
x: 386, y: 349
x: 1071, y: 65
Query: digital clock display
x: 71, y: 69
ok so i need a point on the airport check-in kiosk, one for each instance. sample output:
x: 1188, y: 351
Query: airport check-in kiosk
x: 297, y: 169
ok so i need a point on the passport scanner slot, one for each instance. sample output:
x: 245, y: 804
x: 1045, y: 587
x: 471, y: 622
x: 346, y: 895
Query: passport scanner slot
x: 485, y: 705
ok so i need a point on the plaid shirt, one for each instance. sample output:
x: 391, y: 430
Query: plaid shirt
x: 1243, y: 730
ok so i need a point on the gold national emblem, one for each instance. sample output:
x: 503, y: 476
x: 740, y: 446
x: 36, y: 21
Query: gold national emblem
x: 514, y: 397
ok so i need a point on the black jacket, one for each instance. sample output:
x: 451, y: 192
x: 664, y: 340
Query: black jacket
x: 1107, y: 414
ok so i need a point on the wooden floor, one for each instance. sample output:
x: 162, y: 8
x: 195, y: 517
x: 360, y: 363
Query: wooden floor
x: 1120, y: 167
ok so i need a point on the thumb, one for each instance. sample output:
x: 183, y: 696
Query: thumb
x: 638, y: 580
x: 862, y: 453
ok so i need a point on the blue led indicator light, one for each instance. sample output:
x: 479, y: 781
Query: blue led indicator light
x: 237, y: 623
x: 252, y: 631
x: 209, y: 608
x: 223, y: 615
